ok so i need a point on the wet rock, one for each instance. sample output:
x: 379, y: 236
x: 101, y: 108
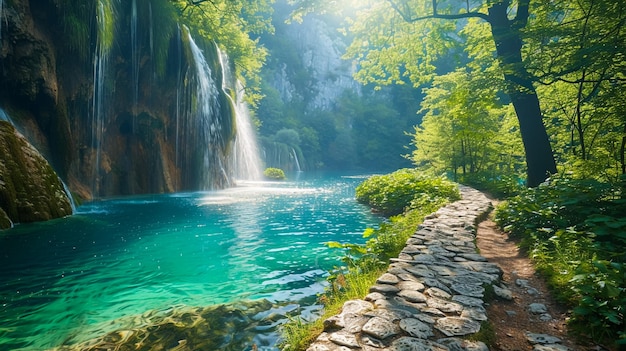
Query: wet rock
x: 30, y: 190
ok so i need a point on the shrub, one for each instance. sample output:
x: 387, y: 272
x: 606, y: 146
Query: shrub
x: 394, y: 193
x: 575, y: 231
x: 274, y: 173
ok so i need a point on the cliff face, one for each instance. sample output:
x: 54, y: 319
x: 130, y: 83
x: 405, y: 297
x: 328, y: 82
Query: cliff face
x: 113, y: 105
x: 319, y: 48
x: 30, y: 190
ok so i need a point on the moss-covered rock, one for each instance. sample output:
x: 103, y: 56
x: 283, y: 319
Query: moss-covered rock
x: 30, y: 190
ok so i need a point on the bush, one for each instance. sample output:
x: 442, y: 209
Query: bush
x: 575, y: 231
x: 274, y: 173
x: 405, y: 189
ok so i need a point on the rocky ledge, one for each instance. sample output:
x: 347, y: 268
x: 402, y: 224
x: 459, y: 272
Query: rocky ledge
x: 432, y: 297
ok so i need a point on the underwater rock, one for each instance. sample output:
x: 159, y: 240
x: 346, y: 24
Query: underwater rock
x: 218, y: 327
x: 30, y: 190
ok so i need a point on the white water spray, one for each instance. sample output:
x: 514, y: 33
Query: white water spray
x: 295, y: 158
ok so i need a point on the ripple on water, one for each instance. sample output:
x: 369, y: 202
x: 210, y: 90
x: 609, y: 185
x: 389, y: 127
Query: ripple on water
x: 82, y: 277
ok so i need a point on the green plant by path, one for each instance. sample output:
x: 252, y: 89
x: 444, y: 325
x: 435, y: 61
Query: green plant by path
x: 575, y: 231
x: 404, y: 189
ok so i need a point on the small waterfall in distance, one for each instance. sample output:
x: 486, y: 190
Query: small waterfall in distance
x: 245, y: 159
x: 295, y: 157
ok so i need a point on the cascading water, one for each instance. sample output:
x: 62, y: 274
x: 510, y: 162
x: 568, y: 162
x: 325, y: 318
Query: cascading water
x: 1, y: 6
x: 134, y: 43
x: 207, y: 128
x: 295, y: 158
x: 3, y: 115
x: 98, y: 121
x: 245, y: 160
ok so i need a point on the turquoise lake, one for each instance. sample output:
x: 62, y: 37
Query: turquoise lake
x: 65, y: 281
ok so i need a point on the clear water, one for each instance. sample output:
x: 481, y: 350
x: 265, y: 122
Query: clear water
x: 64, y: 281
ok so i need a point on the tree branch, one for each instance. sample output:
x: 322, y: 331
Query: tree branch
x: 435, y: 15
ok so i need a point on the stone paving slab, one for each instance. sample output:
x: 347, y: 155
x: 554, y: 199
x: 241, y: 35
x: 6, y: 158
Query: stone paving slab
x: 431, y: 297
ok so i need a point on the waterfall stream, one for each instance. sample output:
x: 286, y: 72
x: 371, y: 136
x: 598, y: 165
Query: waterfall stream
x: 134, y: 43
x: 245, y: 159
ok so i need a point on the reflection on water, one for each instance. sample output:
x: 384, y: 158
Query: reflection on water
x: 71, y: 279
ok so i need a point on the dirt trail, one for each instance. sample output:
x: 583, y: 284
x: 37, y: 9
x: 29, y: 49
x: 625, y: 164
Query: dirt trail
x: 512, y: 319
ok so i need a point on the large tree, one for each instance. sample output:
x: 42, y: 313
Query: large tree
x: 395, y: 39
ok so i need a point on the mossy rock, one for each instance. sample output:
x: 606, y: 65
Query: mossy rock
x: 30, y: 190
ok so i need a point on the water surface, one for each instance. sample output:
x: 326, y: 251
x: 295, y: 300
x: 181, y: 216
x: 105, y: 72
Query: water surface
x: 64, y: 281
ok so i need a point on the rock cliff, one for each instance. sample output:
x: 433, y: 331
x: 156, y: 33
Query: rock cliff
x: 112, y: 105
x: 30, y: 190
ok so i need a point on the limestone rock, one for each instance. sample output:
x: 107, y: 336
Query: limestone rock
x: 416, y: 328
x: 457, y: 326
x: 30, y: 190
x: 380, y: 328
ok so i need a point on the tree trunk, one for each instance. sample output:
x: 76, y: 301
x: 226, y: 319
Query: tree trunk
x: 622, y: 151
x: 506, y: 34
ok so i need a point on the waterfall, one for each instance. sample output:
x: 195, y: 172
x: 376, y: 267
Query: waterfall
x: 134, y: 48
x: 1, y: 6
x: 245, y: 158
x: 295, y: 157
x: 3, y: 115
x: 69, y: 195
x: 207, y: 109
x: 104, y: 18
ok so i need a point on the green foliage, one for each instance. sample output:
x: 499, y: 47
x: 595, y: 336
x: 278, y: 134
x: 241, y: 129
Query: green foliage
x: 232, y: 24
x: 467, y: 130
x: 274, y: 173
x: 574, y: 229
x: 404, y: 189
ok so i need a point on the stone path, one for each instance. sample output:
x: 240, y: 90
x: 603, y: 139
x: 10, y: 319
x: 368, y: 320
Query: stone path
x: 432, y: 295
